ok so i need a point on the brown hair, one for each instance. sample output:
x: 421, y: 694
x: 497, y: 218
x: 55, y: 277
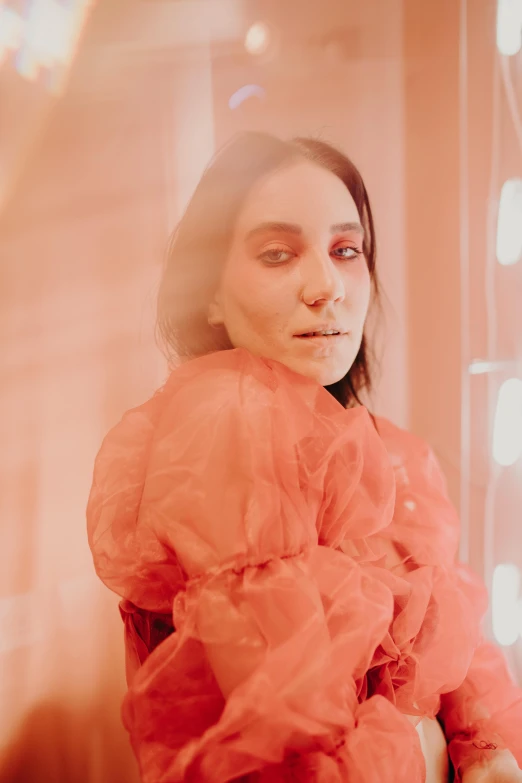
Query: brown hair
x: 200, y: 242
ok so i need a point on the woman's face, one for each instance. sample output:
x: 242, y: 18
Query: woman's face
x: 295, y: 285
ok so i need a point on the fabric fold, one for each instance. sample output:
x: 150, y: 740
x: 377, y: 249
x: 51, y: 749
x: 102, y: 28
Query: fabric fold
x: 288, y: 582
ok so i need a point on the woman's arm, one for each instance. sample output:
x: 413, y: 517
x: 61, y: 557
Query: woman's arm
x: 483, y: 717
x: 484, y: 714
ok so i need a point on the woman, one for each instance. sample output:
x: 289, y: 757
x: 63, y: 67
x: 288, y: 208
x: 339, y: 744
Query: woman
x: 302, y: 550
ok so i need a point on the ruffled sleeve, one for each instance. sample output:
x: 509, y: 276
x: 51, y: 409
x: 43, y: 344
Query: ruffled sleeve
x: 482, y: 711
x: 242, y: 467
x: 484, y: 714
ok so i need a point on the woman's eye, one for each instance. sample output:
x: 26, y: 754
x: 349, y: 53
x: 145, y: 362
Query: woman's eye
x: 276, y: 255
x: 347, y: 253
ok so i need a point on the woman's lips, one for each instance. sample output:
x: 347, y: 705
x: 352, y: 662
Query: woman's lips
x: 325, y: 342
x: 320, y: 336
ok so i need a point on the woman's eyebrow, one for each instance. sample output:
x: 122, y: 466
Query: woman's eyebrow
x: 275, y: 227
x: 293, y: 228
x: 338, y: 228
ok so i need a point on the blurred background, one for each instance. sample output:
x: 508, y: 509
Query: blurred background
x: 109, y: 112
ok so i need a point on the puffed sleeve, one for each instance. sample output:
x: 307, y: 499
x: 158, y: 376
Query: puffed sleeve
x: 482, y: 709
x: 484, y: 714
x: 273, y: 631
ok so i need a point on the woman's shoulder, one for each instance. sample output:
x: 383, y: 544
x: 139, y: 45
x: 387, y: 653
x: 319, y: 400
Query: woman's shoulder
x: 414, y: 460
x: 223, y: 376
x: 236, y: 379
x: 412, y: 457
x: 400, y: 442
x: 235, y: 390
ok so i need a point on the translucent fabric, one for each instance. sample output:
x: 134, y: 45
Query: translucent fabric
x: 284, y: 614
x: 483, y: 715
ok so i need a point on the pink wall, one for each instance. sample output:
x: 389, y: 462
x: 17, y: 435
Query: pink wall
x: 433, y: 214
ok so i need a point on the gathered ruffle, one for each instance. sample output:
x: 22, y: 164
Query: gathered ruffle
x: 246, y: 503
x: 275, y: 652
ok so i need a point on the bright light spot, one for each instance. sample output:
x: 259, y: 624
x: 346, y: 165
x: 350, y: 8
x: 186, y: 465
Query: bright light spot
x: 479, y: 367
x: 509, y: 26
x: 44, y: 37
x: 509, y: 223
x: 247, y: 91
x: 507, y: 431
x: 11, y: 29
x: 505, y: 604
x: 257, y: 39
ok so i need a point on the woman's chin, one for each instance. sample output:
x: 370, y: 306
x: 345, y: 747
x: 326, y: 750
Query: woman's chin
x: 328, y: 379
x: 325, y: 370
x: 324, y: 373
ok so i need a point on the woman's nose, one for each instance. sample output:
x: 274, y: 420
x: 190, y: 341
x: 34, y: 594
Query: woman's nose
x: 322, y: 281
